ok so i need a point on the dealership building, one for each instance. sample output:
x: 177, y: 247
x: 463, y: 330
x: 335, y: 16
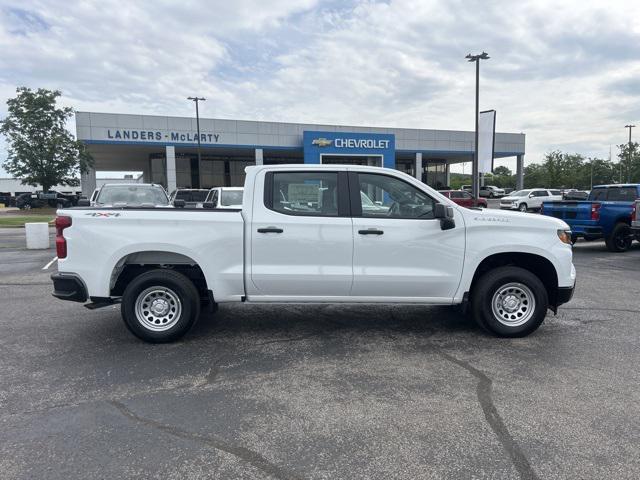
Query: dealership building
x: 165, y: 149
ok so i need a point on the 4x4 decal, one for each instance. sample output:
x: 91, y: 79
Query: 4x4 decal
x: 103, y: 214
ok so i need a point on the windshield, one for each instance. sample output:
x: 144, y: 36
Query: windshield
x: 231, y: 197
x: 520, y: 193
x: 132, y: 195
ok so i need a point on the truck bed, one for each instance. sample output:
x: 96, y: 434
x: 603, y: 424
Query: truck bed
x: 113, y: 237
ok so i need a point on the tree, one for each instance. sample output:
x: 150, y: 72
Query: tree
x: 630, y: 166
x: 502, y: 171
x: 41, y: 150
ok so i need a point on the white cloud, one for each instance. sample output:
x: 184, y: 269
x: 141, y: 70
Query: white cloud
x: 562, y: 72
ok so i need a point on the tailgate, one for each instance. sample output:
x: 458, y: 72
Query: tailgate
x: 568, y: 210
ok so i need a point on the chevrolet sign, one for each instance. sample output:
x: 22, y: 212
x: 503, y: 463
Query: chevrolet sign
x: 322, y: 142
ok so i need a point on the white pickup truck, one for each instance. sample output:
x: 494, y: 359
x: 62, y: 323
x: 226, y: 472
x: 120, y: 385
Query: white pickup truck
x: 304, y: 236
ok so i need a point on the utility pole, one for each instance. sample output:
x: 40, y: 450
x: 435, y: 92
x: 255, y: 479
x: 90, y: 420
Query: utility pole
x: 629, y: 154
x: 475, y: 180
x: 196, y: 100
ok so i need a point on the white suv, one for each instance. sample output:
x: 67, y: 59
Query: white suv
x: 529, y: 199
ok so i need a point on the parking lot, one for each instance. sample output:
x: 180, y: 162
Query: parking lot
x: 323, y: 391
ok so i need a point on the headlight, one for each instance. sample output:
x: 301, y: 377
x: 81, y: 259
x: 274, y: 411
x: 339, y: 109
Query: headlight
x: 564, y: 236
x: 515, y: 202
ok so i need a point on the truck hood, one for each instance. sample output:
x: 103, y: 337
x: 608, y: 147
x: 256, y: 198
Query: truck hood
x: 511, y: 199
x: 512, y: 219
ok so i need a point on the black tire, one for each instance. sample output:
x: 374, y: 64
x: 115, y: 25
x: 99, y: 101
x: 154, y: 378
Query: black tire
x: 169, y: 286
x: 619, y: 240
x: 492, y: 282
x: 523, y: 207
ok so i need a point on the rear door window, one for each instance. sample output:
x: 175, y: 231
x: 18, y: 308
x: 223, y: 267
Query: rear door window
x: 303, y: 193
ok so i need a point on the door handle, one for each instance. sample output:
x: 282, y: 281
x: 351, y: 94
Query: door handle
x: 370, y: 231
x: 270, y: 230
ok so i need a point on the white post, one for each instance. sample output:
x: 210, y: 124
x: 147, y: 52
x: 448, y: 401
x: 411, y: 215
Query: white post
x: 259, y: 157
x: 88, y: 182
x: 171, y: 168
x: 419, y: 165
x: 447, y: 172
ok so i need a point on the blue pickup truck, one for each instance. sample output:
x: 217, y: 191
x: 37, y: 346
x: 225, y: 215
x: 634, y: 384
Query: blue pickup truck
x: 606, y: 213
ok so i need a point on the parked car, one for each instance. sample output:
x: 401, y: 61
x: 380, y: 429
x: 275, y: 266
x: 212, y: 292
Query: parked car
x: 130, y: 195
x: 508, y: 190
x: 466, y: 188
x: 192, y: 197
x: 605, y: 214
x: 464, y: 199
x: 529, y: 199
x: 225, y: 197
x: 6, y: 199
x: 51, y: 199
x: 302, y: 236
x: 491, y: 192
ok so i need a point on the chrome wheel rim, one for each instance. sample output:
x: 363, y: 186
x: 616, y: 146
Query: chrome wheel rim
x: 523, y: 208
x: 158, y: 308
x: 513, y: 304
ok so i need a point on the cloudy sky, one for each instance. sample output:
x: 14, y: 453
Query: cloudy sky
x: 566, y: 73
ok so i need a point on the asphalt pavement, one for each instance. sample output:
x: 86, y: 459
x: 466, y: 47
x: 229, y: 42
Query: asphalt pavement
x: 317, y: 392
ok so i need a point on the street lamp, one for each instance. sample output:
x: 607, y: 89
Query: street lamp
x: 629, y: 153
x: 196, y: 100
x: 475, y: 184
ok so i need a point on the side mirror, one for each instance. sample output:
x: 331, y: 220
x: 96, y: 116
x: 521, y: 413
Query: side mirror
x: 83, y: 202
x: 179, y: 203
x: 209, y: 205
x: 445, y: 214
x: 531, y: 195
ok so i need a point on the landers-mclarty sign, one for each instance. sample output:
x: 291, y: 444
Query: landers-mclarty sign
x: 158, y: 136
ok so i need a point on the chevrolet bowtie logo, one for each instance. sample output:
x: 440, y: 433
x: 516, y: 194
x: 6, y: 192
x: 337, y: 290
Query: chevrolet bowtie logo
x: 322, y: 142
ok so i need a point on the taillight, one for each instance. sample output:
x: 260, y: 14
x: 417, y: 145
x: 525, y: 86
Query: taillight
x: 595, y: 211
x: 635, y: 215
x: 61, y: 242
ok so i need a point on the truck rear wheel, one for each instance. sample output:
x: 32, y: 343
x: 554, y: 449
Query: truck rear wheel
x: 620, y: 238
x: 160, y: 306
x: 509, y: 302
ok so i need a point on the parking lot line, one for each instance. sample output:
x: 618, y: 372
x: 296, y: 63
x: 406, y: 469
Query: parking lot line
x: 46, y: 267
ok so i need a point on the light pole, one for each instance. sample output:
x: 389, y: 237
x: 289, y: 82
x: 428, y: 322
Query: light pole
x: 196, y: 100
x: 629, y: 154
x: 475, y: 179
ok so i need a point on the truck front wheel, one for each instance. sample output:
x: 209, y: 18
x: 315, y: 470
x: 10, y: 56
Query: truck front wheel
x: 620, y: 238
x: 160, y: 306
x: 509, y: 302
